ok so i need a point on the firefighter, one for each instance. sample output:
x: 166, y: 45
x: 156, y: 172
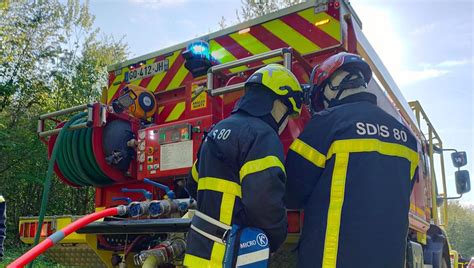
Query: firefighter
x: 3, y: 228
x: 351, y: 170
x: 239, y: 176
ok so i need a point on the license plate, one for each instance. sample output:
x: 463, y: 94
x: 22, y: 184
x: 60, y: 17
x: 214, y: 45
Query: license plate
x: 147, y: 70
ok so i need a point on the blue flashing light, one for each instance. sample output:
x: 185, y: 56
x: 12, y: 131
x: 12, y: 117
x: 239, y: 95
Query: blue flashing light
x: 200, y: 49
x: 198, y: 58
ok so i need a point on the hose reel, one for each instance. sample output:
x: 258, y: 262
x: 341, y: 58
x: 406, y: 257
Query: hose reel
x: 76, y: 159
x: 93, y: 151
x: 79, y: 153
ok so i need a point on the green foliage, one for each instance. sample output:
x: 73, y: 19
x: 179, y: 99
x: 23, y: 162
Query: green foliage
x: 13, y: 253
x: 251, y: 9
x: 51, y: 57
x: 255, y: 8
x: 461, y: 228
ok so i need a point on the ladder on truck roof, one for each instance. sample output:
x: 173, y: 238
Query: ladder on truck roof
x: 435, y: 146
x: 286, y: 53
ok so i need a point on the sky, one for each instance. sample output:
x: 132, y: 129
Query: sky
x: 426, y: 45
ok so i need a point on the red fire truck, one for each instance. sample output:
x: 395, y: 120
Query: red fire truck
x: 137, y: 145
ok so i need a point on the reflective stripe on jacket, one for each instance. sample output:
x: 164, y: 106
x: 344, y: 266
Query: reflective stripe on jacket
x: 238, y: 178
x: 352, y: 171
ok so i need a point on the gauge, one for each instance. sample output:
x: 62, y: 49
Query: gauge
x: 141, y: 134
x: 150, y: 150
x: 141, y: 146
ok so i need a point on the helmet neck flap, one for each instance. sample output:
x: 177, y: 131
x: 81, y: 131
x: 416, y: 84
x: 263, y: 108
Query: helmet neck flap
x: 342, y: 84
x: 266, y: 105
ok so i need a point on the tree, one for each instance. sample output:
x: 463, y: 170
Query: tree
x: 255, y: 8
x: 222, y: 23
x: 461, y: 227
x: 51, y: 57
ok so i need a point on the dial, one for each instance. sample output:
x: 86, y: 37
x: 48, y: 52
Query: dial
x: 141, y: 146
x: 141, y: 134
x: 150, y: 150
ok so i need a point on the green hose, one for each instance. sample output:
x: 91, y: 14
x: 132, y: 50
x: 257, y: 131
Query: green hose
x: 47, y: 182
x: 74, y: 155
x: 77, y: 161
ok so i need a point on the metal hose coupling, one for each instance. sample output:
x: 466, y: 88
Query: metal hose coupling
x: 166, y: 252
x: 122, y: 210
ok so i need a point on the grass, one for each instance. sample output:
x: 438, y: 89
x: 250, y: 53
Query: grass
x: 13, y: 253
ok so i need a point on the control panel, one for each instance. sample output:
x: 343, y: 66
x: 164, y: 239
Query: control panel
x: 169, y: 150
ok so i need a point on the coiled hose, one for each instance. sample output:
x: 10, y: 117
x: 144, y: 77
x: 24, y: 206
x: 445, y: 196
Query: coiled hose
x: 76, y: 157
x: 73, y: 153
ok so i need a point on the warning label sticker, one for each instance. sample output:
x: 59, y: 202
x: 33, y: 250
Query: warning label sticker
x: 176, y: 155
x: 200, y: 101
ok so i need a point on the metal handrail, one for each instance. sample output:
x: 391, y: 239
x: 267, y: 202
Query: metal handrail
x: 287, y: 61
x: 78, y: 108
x: 57, y: 130
x: 90, y: 117
x: 250, y: 59
x: 227, y: 89
x: 433, y: 140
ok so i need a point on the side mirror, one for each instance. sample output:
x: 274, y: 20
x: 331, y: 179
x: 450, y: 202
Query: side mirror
x: 459, y: 159
x: 463, y: 182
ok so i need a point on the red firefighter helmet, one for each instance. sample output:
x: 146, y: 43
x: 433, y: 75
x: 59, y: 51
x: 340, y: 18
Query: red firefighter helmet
x: 322, y: 73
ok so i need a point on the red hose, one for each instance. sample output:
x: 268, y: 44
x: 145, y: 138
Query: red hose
x: 59, y: 235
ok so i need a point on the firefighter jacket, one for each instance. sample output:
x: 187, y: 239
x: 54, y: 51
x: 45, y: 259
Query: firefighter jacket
x: 3, y: 219
x: 352, y: 170
x: 238, y: 178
